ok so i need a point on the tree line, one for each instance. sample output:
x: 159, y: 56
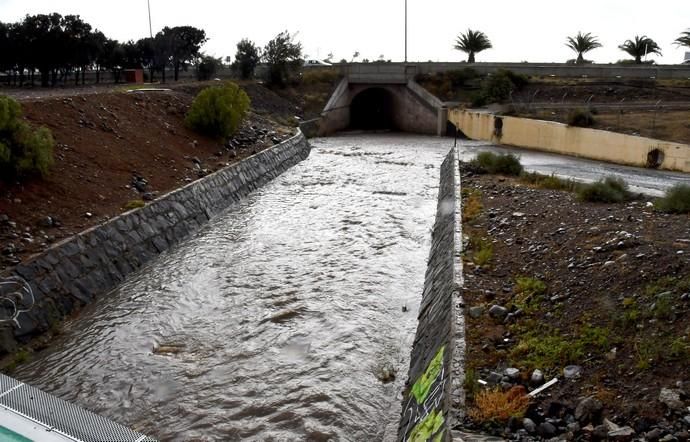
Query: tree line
x: 474, y: 42
x: 56, y: 47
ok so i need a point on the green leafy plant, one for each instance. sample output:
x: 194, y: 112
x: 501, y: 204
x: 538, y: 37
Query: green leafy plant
x: 24, y: 150
x: 218, y: 111
x: 675, y: 200
x: 504, y: 164
x: 608, y: 190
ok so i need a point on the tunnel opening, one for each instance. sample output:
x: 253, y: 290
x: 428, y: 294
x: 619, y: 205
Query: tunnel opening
x: 372, y: 109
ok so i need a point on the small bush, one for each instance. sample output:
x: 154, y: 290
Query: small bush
x: 608, y: 190
x: 676, y: 200
x: 134, y: 204
x: 498, y: 87
x: 580, y: 118
x: 551, y: 182
x: 218, y: 111
x: 316, y: 76
x: 499, y: 406
x: 483, y: 251
x: 504, y: 164
x: 23, y: 149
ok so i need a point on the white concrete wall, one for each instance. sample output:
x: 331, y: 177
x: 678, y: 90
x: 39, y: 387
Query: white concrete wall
x: 567, y: 140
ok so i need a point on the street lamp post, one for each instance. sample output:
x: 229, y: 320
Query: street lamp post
x: 405, y: 31
x: 150, y: 27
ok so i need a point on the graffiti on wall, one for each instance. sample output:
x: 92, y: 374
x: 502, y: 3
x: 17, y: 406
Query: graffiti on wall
x: 16, y: 297
x: 423, y: 409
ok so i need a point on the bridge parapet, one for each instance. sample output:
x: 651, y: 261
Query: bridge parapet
x: 356, y: 72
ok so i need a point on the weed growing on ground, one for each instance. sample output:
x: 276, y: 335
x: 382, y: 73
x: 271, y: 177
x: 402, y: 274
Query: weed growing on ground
x: 134, y: 204
x: 483, y: 252
x: 499, y: 406
x: 473, y: 205
x: 528, y: 294
x: 608, y: 190
x: 502, y: 164
x: 550, y: 182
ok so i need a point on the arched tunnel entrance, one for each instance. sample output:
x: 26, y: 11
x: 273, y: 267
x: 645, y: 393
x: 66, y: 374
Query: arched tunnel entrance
x: 372, y: 109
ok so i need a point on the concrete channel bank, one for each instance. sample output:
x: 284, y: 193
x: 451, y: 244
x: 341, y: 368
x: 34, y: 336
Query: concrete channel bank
x: 76, y: 271
x: 434, y: 398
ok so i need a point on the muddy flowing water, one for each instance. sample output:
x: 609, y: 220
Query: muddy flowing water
x: 278, y: 320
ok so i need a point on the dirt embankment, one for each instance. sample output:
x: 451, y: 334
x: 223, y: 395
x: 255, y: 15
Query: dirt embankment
x: 552, y: 282
x: 117, y: 147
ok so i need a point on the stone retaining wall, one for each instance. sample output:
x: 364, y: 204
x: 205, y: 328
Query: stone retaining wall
x: 434, y: 390
x: 74, y: 272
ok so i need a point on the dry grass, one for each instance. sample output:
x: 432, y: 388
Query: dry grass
x: 473, y: 206
x: 499, y: 406
x: 670, y: 125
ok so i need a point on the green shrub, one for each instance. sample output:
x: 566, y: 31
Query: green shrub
x: 580, y: 118
x: 23, y: 149
x: 504, y: 164
x: 608, y: 190
x: 551, y: 182
x: 676, y: 200
x: 207, y: 67
x: 218, y: 111
x: 498, y: 87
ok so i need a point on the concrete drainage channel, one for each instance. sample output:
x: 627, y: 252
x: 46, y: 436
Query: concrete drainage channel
x: 94, y: 262
x: 44, y: 290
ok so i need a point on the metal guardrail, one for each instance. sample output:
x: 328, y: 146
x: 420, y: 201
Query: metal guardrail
x: 36, y: 415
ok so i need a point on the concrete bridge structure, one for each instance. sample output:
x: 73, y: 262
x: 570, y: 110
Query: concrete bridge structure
x: 384, y: 101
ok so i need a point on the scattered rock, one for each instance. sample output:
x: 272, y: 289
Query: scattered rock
x: 476, y: 312
x: 547, y: 430
x: 589, y: 410
x: 498, y: 312
x: 512, y: 373
x: 537, y: 377
x: 572, y: 371
x: 622, y: 434
x: 529, y: 425
x: 671, y: 398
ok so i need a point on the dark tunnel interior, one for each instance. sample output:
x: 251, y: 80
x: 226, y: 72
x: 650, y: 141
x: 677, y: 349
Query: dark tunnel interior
x: 372, y: 109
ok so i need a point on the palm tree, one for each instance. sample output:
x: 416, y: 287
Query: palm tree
x: 582, y: 43
x: 684, y: 39
x: 639, y: 47
x: 472, y: 42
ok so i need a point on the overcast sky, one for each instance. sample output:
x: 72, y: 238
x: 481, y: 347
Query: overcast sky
x: 527, y: 30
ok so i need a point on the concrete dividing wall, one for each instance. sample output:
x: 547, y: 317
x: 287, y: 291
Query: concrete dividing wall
x: 567, y: 140
x: 434, y: 390
x: 74, y: 272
